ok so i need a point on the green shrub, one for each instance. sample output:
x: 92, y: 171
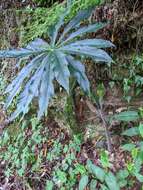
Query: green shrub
x: 134, y: 81
x: 134, y: 165
x: 27, y: 151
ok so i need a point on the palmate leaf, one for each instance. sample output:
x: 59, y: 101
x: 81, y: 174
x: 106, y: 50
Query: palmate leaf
x: 54, y: 61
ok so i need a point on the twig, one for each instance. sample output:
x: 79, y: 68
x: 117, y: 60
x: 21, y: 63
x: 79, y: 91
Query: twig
x: 108, y: 138
x: 102, y: 117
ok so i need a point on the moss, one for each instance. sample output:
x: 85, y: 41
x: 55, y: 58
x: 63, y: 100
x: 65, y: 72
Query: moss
x: 69, y: 110
x: 71, y: 116
x: 37, y: 21
x: 44, y: 2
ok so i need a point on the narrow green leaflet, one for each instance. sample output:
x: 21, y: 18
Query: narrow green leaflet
x: 139, y: 177
x: 122, y: 177
x: 98, y: 43
x: 38, y: 44
x: 96, y: 54
x: 49, y: 185
x: 111, y: 182
x: 31, y: 87
x: 84, y: 14
x: 84, y: 30
x: 24, y: 73
x: 80, y: 169
x: 138, y: 163
x: 96, y: 171
x: 14, y: 88
x: 46, y: 88
x: 141, y: 129
x: 123, y: 183
x: 128, y: 147
x: 93, y: 184
x: 127, y: 116
x: 131, y: 132
x: 77, y: 69
x: 61, y: 70
x: 83, y: 182
x: 104, y: 159
x: 122, y: 174
x: 29, y: 92
x: 59, y: 24
x: 15, y: 53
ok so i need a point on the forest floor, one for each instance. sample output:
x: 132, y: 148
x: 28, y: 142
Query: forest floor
x: 46, y: 155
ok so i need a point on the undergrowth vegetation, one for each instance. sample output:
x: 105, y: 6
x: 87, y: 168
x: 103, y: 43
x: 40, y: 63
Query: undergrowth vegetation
x: 35, y: 153
x: 40, y: 19
x: 88, y: 134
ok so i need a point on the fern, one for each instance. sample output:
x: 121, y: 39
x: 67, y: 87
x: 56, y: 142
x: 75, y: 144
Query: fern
x: 56, y: 60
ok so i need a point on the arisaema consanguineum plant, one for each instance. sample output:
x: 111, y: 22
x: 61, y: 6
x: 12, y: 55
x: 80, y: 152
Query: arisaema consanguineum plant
x: 57, y: 60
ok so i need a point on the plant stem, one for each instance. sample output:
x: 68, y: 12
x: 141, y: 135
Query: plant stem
x: 100, y: 114
x: 108, y: 138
